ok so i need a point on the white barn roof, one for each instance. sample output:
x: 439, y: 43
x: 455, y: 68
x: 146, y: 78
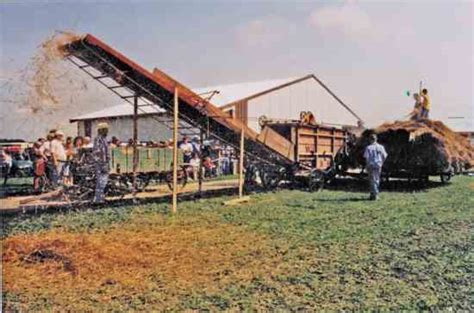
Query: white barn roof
x: 225, y: 95
x: 235, y: 92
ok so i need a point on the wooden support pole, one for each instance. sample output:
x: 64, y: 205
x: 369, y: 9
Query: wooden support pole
x: 175, y: 152
x: 135, y: 139
x: 201, y: 159
x: 241, y: 164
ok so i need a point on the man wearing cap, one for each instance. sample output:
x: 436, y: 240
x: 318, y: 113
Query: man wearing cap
x: 101, y: 155
x: 375, y: 155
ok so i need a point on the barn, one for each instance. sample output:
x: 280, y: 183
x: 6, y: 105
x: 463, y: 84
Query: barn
x: 274, y: 99
x: 282, y: 99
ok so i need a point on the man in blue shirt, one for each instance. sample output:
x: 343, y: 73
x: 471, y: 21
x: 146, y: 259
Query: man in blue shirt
x: 102, y: 157
x: 375, y: 155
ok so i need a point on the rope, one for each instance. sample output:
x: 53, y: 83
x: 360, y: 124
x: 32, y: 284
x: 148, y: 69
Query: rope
x: 336, y: 97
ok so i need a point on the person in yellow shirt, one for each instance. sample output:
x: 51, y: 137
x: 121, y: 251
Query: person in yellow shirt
x: 426, y: 105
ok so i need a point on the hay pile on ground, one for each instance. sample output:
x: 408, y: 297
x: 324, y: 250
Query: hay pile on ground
x: 172, y: 259
x: 420, y: 147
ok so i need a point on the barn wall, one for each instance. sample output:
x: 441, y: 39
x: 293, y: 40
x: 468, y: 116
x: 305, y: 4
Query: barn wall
x: 81, y: 128
x: 238, y: 110
x: 288, y: 102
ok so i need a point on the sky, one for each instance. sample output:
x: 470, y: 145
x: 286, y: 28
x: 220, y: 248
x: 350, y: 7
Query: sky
x: 369, y: 52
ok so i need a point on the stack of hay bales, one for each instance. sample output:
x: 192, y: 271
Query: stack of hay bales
x: 419, y: 148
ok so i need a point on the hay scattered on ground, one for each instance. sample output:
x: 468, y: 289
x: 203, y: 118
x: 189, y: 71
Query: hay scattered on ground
x: 172, y: 257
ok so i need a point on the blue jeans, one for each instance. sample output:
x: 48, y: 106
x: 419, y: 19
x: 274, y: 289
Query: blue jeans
x: 52, y: 173
x: 424, y: 113
x: 102, y: 178
x: 374, y: 179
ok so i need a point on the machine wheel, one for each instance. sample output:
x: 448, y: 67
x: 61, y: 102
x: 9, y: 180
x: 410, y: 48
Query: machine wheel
x: 182, y: 178
x: 445, y: 178
x: 251, y: 174
x: 316, y: 180
x: 270, y: 177
x: 142, y: 181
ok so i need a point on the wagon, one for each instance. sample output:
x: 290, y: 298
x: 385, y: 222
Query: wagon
x: 315, y: 150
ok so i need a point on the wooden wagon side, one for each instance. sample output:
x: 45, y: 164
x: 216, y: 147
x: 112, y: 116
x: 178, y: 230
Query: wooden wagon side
x: 314, y: 146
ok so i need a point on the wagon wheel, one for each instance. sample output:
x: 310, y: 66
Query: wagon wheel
x: 182, y: 179
x: 270, y: 177
x: 142, y: 181
x: 250, y: 178
x: 445, y: 177
x: 119, y: 186
x: 78, y: 193
x: 316, y: 180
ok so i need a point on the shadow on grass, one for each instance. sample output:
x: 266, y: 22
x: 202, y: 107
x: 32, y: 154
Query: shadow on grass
x: 399, y: 185
x: 351, y: 199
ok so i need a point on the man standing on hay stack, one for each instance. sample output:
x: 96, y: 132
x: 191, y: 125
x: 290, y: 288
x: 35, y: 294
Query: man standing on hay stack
x: 102, y: 157
x: 426, y: 105
x: 375, y: 155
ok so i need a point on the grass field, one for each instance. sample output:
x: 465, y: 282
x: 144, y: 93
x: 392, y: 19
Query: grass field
x: 288, y: 250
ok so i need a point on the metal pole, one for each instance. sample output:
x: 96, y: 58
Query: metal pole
x: 135, y: 139
x: 175, y: 152
x: 241, y: 164
x: 201, y: 158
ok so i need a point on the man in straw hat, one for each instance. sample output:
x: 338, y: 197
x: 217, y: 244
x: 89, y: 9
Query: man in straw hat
x: 102, y: 156
x: 375, y: 155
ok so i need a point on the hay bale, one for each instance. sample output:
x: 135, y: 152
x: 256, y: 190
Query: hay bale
x: 419, y: 147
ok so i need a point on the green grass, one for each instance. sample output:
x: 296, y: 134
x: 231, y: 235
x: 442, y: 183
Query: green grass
x: 410, y: 250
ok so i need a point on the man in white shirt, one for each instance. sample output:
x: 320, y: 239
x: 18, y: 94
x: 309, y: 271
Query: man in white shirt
x: 58, y: 154
x: 375, y: 156
x: 417, y: 111
x: 187, y: 149
x: 195, y: 164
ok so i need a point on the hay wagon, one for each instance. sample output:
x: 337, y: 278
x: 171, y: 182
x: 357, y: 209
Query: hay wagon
x: 417, y: 150
x: 153, y: 164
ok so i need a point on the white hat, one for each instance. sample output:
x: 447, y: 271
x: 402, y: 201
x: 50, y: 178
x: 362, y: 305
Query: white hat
x: 59, y: 133
x: 102, y: 126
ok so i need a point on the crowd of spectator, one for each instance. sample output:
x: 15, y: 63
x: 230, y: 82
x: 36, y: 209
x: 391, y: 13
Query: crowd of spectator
x: 52, y: 155
x: 216, y: 159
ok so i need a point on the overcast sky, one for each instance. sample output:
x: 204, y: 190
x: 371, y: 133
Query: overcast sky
x: 368, y: 52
